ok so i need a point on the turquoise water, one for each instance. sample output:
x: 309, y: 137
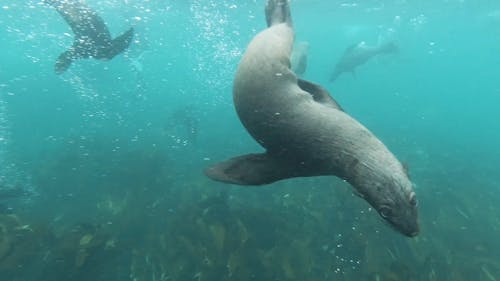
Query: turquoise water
x: 111, y: 153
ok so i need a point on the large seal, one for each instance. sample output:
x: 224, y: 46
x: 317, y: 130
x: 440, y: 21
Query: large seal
x: 92, y: 37
x: 359, y: 54
x: 305, y: 132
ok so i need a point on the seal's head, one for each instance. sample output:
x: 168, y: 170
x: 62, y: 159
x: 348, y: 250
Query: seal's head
x: 392, y: 196
x: 401, y: 213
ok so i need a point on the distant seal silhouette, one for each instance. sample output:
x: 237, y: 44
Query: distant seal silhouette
x: 359, y: 54
x: 306, y: 133
x: 92, y: 37
x: 298, y: 58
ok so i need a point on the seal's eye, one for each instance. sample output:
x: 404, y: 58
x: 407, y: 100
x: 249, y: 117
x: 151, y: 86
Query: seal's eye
x: 385, y: 212
x: 413, y: 199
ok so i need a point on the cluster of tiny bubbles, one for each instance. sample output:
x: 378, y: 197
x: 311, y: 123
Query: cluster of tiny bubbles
x: 4, y: 138
x: 27, y: 28
x: 93, y: 103
x: 347, y: 260
x: 215, y: 48
x: 343, y: 262
x: 418, y: 22
x: 10, y: 175
x: 4, y: 132
x: 139, y: 84
x: 178, y: 141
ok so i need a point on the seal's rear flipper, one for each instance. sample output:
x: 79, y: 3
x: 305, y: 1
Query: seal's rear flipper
x: 278, y: 11
x: 254, y: 169
x: 120, y: 43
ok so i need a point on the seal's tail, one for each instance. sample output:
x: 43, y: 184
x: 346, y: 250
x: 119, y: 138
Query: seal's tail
x: 120, y: 43
x: 278, y: 11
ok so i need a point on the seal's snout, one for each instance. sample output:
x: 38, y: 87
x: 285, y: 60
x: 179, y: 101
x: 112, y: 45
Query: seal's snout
x: 406, y: 231
x: 411, y: 229
x: 412, y: 233
x: 401, y: 219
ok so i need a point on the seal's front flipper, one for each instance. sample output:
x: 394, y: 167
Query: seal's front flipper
x: 318, y: 93
x: 254, y: 169
x: 63, y: 62
x: 120, y: 43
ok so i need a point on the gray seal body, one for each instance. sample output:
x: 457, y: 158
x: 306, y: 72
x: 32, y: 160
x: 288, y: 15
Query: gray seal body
x: 306, y: 133
x: 359, y: 54
x: 92, y: 37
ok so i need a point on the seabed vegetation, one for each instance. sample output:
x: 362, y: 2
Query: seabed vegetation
x: 143, y: 225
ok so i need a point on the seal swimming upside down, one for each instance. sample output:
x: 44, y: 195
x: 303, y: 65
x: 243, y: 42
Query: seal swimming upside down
x: 306, y: 133
x: 92, y: 37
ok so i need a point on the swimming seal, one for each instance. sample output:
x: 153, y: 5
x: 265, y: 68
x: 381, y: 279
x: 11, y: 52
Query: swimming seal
x: 92, y: 37
x: 298, y: 58
x: 306, y: 133
x: 359, y: 54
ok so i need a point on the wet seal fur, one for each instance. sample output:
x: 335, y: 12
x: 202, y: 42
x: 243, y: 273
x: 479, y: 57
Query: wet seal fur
x: 92, y: 37
x: 306, y: 133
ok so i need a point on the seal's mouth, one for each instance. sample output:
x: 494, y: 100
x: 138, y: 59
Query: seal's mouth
x: 407, y: 233
x: 412, y: 234
x: 404, y: 231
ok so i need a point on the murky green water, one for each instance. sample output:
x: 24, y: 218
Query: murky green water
x: 106, y: 159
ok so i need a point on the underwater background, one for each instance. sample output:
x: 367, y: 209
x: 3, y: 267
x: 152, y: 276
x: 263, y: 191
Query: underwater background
x: 101, y: 167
